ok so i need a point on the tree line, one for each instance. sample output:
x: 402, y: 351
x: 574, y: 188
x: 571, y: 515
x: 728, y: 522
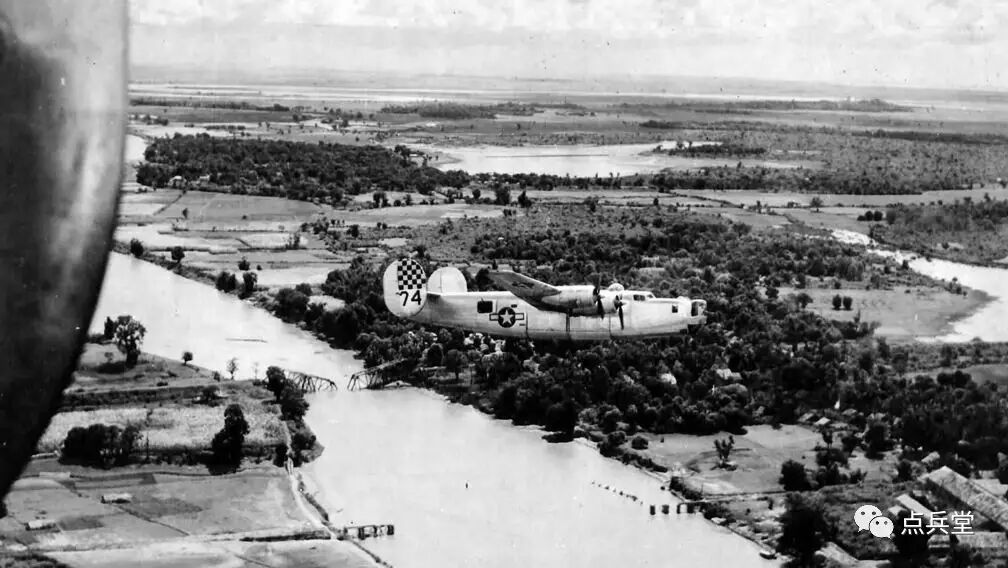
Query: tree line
x: 297, y: 170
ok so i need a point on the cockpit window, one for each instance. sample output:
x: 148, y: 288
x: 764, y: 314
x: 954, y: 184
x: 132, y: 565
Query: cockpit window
x: 639, y: 297
x: 675, y: 308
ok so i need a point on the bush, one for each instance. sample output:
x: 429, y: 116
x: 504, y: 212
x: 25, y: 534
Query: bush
x: 793, y: 476
x: 100, y: 444
x: 275, y: 380
x: 827, y: 456
x: 228, y: 442
x: 293, y: 405
x: 249, y: 281
x: 136, y: 248
x: 435, y: 355
x: 110, y: 326
x: 611, y: 445
x: 639, y: 443
x: 804, y: 529
x: 226, y: 282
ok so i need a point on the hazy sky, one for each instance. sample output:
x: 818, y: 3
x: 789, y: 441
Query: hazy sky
x: 925, y: 43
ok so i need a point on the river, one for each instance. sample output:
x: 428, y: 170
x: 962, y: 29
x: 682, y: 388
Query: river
x: 405, y: 456
x: 990, y: 323
x: 185, y: 315
x: 579, y: 159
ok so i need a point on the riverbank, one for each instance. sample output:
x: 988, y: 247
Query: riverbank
x: 165, y: 516
x: 165, y: 497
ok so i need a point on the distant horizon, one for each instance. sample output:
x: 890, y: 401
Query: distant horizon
x: 938, y: 44
x: 631, y: 84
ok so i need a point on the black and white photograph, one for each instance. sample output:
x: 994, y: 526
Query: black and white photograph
x: 503, y: 284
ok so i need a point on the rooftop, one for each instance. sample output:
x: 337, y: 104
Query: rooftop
x: 970, y: 494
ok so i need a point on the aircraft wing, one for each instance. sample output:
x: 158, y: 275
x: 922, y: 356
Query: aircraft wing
x: 528, y: 289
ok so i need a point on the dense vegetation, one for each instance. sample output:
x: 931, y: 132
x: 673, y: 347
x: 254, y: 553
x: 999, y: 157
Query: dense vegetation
x: 691, y: 150
x: 850, y: 162
x: 100, y: 445
x: 967, y: 231
x: 289, y: 169
x: 730, y: 107
x: 458, y: 111
x: 205, y: 103
x: 293, y: 407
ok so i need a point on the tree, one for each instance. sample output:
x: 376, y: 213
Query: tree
x: 837, y: 302
x: 804, y: 529
x: 232, y: 367
x: 353, y: 231
x: 249, y: 280
x: 524, y: 201
x: 243, y: 264
x: 476, y: 193
x: 177, y: 254
x: 793, y: 476
x: 228, y: 442
x: 136, y: 248
x: 293, y: 405
x: 100, y: 444
x: 292, y: 304
x: 847, y: 302
x: 816, y: 202
x: 186, y: 357
x: 827, y: 437
x: 275, y: 380
x: 110, y: 327
x: 803, y: 299
x: 226, y: 282
x: 453, y: 361
x: 502, y: 195
x: 435, y: 354
x: 129, y: 336
x: 724, y: 448
x: 875, y: 441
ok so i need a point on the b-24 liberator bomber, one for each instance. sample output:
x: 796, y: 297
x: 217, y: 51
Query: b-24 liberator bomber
x: 529, y: 308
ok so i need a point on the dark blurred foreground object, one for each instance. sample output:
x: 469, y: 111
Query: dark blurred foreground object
x: 62, y: 120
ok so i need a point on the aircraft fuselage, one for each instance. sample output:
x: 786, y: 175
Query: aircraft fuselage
x: 503, y: 314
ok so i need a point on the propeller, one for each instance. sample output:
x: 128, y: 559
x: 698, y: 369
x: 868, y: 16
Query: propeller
x: 598, y: 302
x: 618, y: 304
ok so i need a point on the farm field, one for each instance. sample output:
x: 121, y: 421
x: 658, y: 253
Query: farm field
x: 902, y: 314
x: 169, y: 427
x: 782, y: 199
x: 167, y: 504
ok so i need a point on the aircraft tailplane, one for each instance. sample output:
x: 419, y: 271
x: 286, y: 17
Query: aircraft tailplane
x: 404, y: 287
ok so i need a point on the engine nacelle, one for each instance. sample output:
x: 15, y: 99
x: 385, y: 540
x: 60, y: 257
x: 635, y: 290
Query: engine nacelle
x: 572, y: 299
x: 585, y: 302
